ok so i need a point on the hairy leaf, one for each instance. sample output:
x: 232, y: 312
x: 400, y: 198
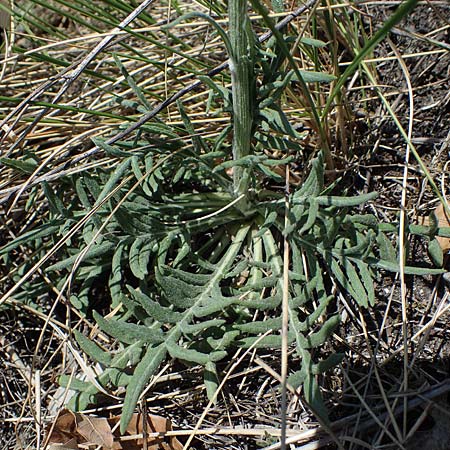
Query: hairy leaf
x: 129, y: 333
x: 148, y: 365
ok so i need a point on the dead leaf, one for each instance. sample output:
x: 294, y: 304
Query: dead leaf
x: 75, y: 431
x: 443, y: 221
x: 155, y: 424
x: 71, y: 429
x: 96, y: 430
x: 66, y: 422
x: 63, y: 432
x: 69, y: 445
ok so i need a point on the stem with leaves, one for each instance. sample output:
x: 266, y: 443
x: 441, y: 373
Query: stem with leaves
x: 241, y: 67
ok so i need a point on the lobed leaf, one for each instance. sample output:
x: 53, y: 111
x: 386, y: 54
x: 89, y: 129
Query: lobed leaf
x: 193, y: 356
x: 148, y: 365
x: 92, y: 349
x: 154, y: 309
x: 128, y: 333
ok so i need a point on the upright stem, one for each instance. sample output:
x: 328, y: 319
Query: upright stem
x: 241, y: 67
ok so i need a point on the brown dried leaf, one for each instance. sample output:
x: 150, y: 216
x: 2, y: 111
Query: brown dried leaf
x: 72, y: 429
x: 155, y: 424
x: 63, y: 432
x: 96, y: 430
x: 69, y: 445
x: 66, y: 422
x: 443, y: 221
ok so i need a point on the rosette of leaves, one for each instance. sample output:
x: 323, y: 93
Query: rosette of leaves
x: 196, y: 285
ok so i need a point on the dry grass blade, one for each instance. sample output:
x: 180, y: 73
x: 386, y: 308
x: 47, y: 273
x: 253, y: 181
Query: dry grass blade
x: 403, y: 235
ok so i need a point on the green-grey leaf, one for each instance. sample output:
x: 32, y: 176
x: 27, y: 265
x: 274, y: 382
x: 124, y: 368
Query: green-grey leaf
x: 409, y: 270
x: 115, y: 277
x: 152, y: 359
x: 297, y: 378
x: 260, y: 326
x: 358, y: 292
x: 356, y: 200
x: 436, y: 253
x: 261, y: 304
x: 112, y: 150
x: 323, y: 366
x: 73, y: 383
x: 191, y: 355
x: 211, y: 379
x: 160, y: 313
x: 128, y: 333
x: 26, y: 166
x: 313, y: 185
x: 313, y: 210
x: 386, y: 249
x: 316, y: 339
x: 139, y: 256
x: 81, y: 401
x: 94, y: 252
x: 278, y: 6
x: 197, y: 327
x: 314, y: 397
x: 313, y: 42
x: 37, y: 233
x: 117, y: 174
x: 270, y: 341
x: 343, y: 280
x: 92, y: 349
x: 214, y: 305
x: 314, y: 77
x: 367, y: 280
